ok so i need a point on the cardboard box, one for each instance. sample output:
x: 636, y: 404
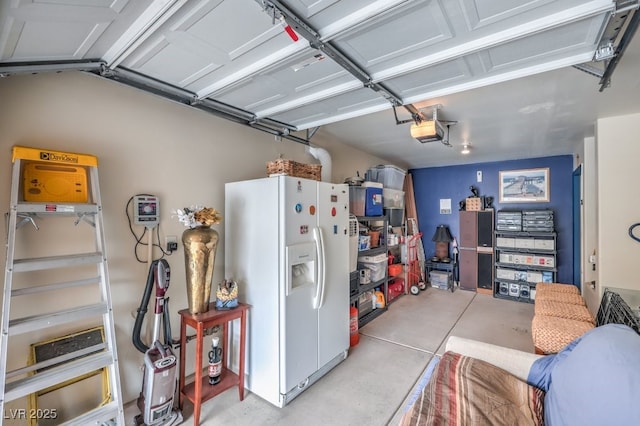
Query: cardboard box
x: 473, y: 204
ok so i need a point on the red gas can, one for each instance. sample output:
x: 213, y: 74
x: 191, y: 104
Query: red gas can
x: 353, y: 326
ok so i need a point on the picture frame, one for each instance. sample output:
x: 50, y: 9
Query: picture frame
x: 524, y: 186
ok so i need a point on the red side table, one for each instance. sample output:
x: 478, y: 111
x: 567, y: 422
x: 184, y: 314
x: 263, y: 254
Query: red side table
x: 200, y: 390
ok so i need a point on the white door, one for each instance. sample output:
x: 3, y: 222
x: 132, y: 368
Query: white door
x: 299, y: 320
x: 333, y: 315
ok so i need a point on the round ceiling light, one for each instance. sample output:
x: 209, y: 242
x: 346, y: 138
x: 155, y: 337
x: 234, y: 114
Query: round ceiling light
x: 465, y: 149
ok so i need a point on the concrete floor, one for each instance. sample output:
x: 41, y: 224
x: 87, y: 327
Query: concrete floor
x: 373, y: 384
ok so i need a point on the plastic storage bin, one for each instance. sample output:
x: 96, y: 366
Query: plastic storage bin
x: 365, y: 201
x: 440, y: 279
x: 377, y: 265
x: 396, y: 216
x: 392, y: 198
x: 388, y: 175
x: 366, y: 303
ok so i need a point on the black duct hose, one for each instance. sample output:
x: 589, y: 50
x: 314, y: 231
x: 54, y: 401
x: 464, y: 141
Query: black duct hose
x: 142, y: 310
x: 631, y: 228
x: 167, y: 324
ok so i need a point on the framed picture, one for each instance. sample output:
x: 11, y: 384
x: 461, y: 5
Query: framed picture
x: 524, y: 186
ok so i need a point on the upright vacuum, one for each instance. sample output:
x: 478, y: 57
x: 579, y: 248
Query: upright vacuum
x: 156, y: 399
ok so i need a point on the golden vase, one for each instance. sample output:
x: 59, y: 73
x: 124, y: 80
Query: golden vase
x: 200, y: 245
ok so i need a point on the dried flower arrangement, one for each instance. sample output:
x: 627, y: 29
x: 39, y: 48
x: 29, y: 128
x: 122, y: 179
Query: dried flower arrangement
x: 198, y: 216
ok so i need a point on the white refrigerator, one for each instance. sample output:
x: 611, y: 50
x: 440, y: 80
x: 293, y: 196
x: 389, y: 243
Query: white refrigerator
x: 287, y: 247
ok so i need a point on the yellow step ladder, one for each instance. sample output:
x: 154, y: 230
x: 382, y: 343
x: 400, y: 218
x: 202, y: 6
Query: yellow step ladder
x: 52, y: 185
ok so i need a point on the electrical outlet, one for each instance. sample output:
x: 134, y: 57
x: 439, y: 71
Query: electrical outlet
x: 171, y: 243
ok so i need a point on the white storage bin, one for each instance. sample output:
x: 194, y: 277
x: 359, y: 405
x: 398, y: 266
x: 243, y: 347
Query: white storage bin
x: 534, y: 277
x: 525, y: 243
x: 376, y: 264
x: 541, y: 244
x: 506, y: 274
x: 505, y: 242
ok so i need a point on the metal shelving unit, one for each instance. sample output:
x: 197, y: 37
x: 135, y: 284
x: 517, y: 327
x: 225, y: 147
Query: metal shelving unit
x: 382, y: 283
x: 523, y: 259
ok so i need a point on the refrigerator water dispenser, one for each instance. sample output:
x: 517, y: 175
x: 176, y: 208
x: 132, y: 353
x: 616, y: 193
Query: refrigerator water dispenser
x: 301, y: 266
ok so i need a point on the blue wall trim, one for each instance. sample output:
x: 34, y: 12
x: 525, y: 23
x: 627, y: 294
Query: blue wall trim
x: 453, y: 182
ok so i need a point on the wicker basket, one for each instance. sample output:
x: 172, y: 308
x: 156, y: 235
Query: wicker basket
x: 293, y: 168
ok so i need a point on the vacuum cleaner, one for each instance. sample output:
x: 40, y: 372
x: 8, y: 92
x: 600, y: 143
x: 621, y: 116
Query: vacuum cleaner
x: 157, y: 397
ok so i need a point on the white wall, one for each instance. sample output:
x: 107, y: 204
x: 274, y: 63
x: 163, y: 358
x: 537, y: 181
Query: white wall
x: 589, y: 225
x: 145, y: 144
x: 618, y: 161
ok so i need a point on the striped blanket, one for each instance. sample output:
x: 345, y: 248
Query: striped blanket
x: 468, y: 391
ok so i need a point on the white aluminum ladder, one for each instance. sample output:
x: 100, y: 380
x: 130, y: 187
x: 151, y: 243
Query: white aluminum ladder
x: 26, y: 380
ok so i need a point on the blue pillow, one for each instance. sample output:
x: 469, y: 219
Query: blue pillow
x: 594, y: 381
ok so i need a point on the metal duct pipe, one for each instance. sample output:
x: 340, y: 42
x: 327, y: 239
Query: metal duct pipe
x: 324, y: 157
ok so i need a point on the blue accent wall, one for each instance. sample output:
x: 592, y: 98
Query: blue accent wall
x: 453, y: 182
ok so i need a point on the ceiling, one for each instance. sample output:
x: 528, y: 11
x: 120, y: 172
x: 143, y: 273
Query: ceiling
x: 514, y: 79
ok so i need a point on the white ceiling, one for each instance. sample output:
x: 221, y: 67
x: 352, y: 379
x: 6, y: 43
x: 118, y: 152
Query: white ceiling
x: 501, y: 69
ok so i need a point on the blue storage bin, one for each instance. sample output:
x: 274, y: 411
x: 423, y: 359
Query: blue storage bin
x: 373, y: 202
x: 365, y: 201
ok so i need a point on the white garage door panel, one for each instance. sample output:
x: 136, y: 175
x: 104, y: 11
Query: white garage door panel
x: 302, y: 80
x: 484, y: 13
x: 446, y: 74
x: 55, y: 30
x: 428, y: 33
x: 483, y: 69
x: 209, y: 36
x: 330, y: 17
x: 570, y: 40
x: 401, y: 37
x: 232, y: 51
x: 309, y: 8
x: 170, y: 61
x: 351, y: 104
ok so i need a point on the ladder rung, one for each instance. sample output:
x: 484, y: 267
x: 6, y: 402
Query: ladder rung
x: 57, y: 375
x: 40, y: 263
x: 37, y: 322
x: 57, y: 360
x: 97, y: 416
x: 54, y: 286
x: 57, y: 208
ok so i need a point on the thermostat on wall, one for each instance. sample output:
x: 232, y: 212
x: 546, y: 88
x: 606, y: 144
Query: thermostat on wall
x: 146, y: 210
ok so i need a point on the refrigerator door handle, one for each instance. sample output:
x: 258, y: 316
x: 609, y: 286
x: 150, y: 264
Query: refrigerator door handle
x: 319, y: 297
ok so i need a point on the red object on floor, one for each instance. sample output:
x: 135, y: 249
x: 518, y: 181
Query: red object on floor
x: 354, y: 337
x: 395, y: 289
